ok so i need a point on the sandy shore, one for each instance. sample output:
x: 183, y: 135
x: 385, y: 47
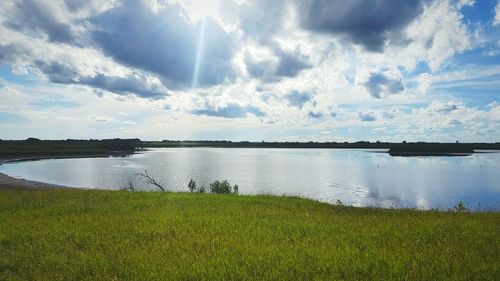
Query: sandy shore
x: 7, y: 182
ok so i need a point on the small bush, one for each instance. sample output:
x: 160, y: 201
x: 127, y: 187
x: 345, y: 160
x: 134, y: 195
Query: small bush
x: 460, y: 207
x: 223, y: 187
x: 192, y: 185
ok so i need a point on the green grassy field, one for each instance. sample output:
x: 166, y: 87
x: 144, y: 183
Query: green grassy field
x: 65, y: 234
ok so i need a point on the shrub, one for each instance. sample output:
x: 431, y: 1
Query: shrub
x: 216, y: 187
x: 192, y: 185
x: 460, y: 207
x: 223, y: 187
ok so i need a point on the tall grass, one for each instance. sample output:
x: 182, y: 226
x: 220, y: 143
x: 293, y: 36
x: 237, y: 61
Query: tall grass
x: 109, y: 235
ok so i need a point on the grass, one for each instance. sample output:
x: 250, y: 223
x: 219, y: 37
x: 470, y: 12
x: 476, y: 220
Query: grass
x: 65, y: 234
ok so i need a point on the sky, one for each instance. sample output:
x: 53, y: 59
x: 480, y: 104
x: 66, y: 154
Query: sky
x: 297, y: 70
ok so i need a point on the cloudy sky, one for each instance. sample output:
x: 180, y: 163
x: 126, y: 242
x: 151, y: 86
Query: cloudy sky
x: 320, y: 70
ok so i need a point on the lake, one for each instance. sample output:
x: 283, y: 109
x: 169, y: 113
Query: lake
x: 356, y: 177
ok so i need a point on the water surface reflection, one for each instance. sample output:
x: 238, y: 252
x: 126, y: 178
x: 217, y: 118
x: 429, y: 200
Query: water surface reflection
x: 356, y: 177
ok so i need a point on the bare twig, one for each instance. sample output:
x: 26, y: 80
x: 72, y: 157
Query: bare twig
x: 130, y: 186
x: 151, y: 180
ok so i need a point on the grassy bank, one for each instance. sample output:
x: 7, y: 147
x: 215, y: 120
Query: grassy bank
x: 105, y: 235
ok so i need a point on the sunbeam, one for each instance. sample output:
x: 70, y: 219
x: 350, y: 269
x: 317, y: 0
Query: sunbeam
x: 199, y: 55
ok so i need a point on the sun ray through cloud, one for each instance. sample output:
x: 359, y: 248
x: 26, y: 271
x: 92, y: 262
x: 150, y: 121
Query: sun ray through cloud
x: 199, y: 54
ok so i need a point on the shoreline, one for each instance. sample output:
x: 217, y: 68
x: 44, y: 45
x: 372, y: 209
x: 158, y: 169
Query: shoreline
x: 34, y: 157
x: 11, y: 183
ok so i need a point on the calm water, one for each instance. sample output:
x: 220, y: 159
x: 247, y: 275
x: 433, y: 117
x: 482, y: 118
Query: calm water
x: 356, y: 177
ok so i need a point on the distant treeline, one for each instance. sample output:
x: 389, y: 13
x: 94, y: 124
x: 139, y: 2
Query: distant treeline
x: 34, y: 146
x: 413, y: 146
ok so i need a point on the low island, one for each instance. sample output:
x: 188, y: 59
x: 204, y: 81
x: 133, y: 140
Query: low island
x: 429, y: 149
